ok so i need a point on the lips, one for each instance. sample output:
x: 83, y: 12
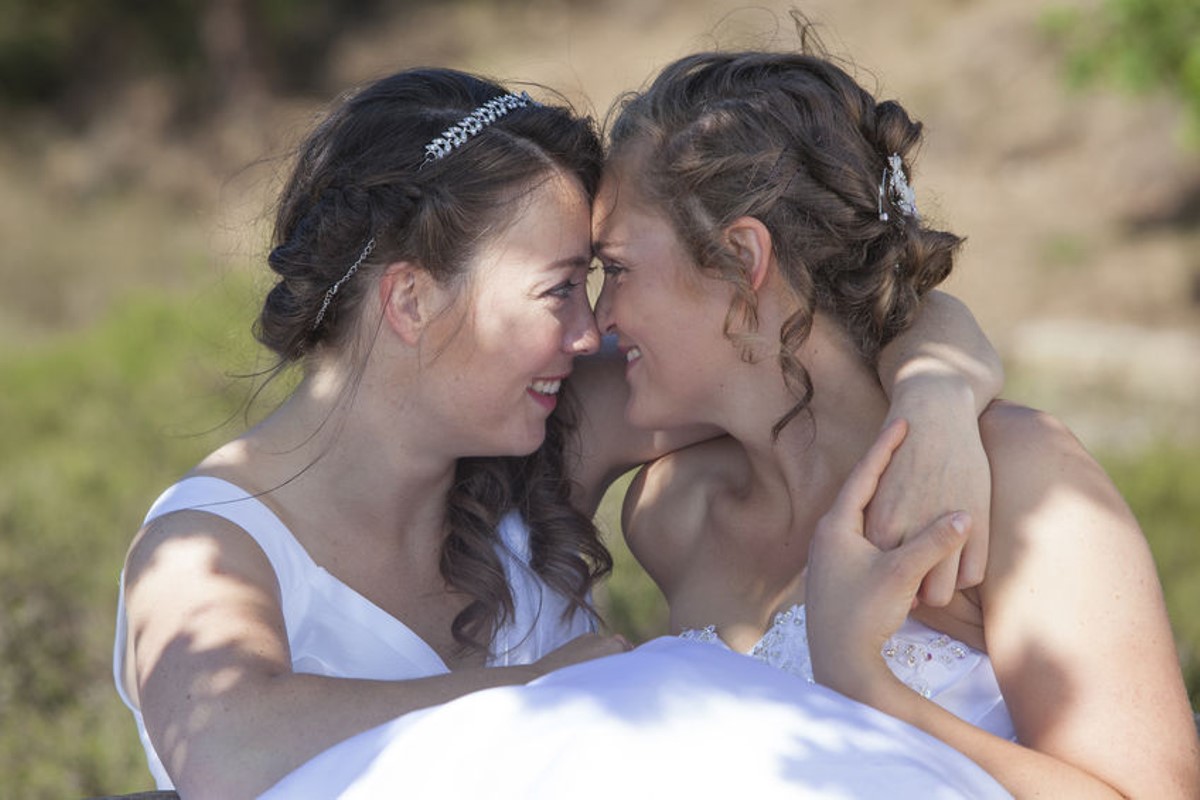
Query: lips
x: 544, y: 391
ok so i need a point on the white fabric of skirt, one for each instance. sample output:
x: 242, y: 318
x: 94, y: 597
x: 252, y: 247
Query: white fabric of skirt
x: 672, y: 718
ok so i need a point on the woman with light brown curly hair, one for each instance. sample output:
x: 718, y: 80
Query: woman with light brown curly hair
x: 762, y: 243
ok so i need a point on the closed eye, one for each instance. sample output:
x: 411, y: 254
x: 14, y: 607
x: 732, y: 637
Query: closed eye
x: 564, y: 290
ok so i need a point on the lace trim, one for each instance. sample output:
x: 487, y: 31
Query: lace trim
x: 921, y: 659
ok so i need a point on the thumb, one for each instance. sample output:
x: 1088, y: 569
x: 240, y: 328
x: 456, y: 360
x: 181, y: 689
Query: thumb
x: 921, y: 553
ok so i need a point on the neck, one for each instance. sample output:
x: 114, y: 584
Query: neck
x: 339, y: 450
x: 815, y: 452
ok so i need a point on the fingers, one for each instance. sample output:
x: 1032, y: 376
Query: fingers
x: 973, y: 562
x: 917, y: 557
x: 937, y: 589
x: 859, y: 488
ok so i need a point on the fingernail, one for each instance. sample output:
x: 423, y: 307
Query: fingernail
x: 960, y: 521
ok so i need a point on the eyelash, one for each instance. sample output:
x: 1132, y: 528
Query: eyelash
x: 612, y: 270
x: 564, y: 290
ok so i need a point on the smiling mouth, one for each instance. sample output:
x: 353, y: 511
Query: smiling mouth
x: 632, y: 354
x: 546, y: 387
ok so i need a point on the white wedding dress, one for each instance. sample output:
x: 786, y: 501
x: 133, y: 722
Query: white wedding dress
x: 954, y: 675
x: 672, y: 718
x: 332, y: 629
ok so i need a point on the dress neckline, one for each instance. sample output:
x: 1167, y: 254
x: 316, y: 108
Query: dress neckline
x: 366, y: 606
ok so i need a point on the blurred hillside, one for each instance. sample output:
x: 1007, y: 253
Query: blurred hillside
x: 135, y: 190
x: 1081, y: 207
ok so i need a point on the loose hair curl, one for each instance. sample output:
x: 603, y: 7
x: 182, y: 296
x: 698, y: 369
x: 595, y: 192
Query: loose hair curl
x: 361, y: 175
x: 793, y: 141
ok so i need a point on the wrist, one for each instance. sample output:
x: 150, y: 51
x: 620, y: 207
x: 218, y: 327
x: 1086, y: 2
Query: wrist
x: 877, y: 687
x: 522, y: 673
x: 933, y: 389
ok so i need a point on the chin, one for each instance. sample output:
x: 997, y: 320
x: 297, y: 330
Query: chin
x: 529, y: 443
x: 639, y: 416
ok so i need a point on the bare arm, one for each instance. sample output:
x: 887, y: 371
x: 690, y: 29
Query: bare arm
x: 213, y: 670
x: 940, y: 375
x: 1073, y: 616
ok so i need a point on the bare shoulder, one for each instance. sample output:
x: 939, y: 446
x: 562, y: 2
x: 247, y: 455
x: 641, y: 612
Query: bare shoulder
x: 1052, y: 503
x: 1030, y: 450
x: 192, y: 546
x: 1076, y: 626
x: 1009, y: 428
x: 669, y: 501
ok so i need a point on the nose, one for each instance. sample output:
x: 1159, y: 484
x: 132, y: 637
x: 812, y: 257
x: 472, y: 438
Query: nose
x: 603, y: 316
x: 582, y: 336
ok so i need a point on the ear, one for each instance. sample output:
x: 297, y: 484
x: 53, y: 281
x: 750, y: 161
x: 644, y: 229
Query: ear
x: 751, y: 242
x: 406, y: 297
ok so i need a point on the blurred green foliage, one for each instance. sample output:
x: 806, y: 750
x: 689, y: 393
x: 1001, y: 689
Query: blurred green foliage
x: 95, y: 425
x: 629, y: 600
x: 98, y: 422
x: 1141, y: 45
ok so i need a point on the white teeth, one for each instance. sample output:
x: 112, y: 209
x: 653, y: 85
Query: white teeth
x: 546, y: 387
x: 632, y: 354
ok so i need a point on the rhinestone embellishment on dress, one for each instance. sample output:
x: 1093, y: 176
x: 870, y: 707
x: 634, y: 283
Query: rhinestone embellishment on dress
x: 915, y: 658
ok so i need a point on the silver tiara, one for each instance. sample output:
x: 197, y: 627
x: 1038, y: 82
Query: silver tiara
x: 894, y: 184
x: 474, y: 122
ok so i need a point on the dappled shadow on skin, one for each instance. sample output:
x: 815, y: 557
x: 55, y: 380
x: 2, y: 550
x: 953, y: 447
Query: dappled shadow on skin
x: 671, y: 718
x: 677, y: 718
x: 190, y: 739
x: 1082, y: 591
x: 193, y: 682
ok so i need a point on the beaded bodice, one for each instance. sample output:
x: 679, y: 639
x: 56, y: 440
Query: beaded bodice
x: 924, y: 659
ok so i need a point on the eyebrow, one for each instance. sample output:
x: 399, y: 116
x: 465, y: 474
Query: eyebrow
x: 571, y: 262
x: 600, y: 247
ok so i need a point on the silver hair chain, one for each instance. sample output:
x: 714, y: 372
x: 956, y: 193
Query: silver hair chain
x: 333, y: 290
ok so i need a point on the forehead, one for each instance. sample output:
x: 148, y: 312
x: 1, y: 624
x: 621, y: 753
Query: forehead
x: 547, y: 224
x: 623, y: 218
x: 619, y: 199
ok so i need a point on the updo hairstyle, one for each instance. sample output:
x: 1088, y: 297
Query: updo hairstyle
x: 793, y: 141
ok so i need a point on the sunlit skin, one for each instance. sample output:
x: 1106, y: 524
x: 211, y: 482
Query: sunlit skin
x: 668, y: 318
x: 498, y: 355
x: 665, y: 321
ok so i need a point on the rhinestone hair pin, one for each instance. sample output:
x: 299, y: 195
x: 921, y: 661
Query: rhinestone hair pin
x: 894, y: 184
x: 474, y: 122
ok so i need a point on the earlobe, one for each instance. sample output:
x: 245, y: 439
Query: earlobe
x: 400, y: 290
x: 751, y: 242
